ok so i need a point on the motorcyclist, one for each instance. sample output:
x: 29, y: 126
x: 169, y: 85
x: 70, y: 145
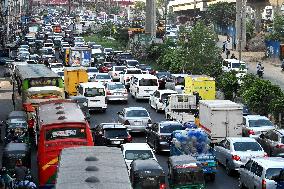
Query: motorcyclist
x: 6, y: 178
x: 20, y: 171
x: 27, y: 183
x: 259, y: 69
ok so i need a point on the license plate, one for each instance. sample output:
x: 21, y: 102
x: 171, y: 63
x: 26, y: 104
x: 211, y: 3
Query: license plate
x: 137, y: 123
x: 117, y: 93
x: 116, y: 142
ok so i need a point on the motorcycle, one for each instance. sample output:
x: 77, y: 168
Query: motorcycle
x: 260, y: 72
x: 282, y: 65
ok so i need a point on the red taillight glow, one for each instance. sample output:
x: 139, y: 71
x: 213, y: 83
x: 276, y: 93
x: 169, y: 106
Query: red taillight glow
x: 108, y: 93
x: 279, y: 146
x: 265, y: 155
x: 263, y: 184
x: 129, y: 138
x: 250, y: 132
x: 126, y: 122
x: 236, y: 158
x: 162, y: 186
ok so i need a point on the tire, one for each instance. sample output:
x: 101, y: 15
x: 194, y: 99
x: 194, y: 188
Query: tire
x: 229, y: 171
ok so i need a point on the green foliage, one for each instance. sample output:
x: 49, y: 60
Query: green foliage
x: 228, y: 83
x: 121, y: 35
x: 277, y: 107
x: 249, y: 29
x: 278, y: 29
x: 154, y: 51
x: 221, y: 13
x: 139, y: 8
x: 116, y: 45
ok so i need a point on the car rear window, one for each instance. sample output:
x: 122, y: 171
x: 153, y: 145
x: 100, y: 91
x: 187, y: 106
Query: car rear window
x: 134, y: 72
x: 170, y: 128
x: 112, y: 133
x: 119, y: 68
x: 259, y: 123
x: 137, y: 113
x: 272, y: 172
x: 148, y: 82
x: 247, y: 146
x: 138, y: 154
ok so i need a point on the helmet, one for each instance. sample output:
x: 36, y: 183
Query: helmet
x: 3, y: 170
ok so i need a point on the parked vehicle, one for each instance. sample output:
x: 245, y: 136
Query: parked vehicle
x: 158, y: 98
x: 185, y: 172
x: 116, y: 71
x: 255, y: 125
x: 143, y: 85
x: 259, y: 173
x: 220, y: 119
x: 72, y: 77
x: 145, y: 174
x: 111, y: 134
x: 135, y: 119
x: 158, y: 135
x: 95, y: 93
x: 134, y: 151
x: 233, y: 152
x: 272, y: 142
x: 116, y: 91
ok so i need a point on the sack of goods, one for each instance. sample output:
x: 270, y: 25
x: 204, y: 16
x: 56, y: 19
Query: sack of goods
x: 192, y: 141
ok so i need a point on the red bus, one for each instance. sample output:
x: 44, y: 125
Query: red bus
x: 61, y: 124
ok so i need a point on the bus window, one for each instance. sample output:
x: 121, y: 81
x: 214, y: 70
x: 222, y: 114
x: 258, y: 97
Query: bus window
x: 64, y: 133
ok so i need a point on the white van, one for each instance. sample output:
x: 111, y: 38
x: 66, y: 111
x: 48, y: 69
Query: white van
x: 95, y: 93
x: 143, y: 85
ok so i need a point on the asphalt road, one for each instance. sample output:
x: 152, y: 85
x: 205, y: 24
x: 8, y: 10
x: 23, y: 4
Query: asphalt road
x: 222, y: 180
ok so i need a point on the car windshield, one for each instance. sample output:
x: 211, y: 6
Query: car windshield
x: 92, y: 92
x: 108, y: 64
x: 180, y: 81
x: 116, y: 86
x: 103, y: 77
x: 170, y: 128
x: 132, y: 63
x: 108, y: 50
x: 121, y: 68
x: 148, y: 82
x: 113, y: 133
x: 133, y: 72
x: 138, y: 154
x: 137, y: 113
x: 259, y: 123
x: 247, y: 146
x: 18, y: 124
x: 92, y: 70
x: 163, y: 74
x: 238, y: 65
x: 272, y: 172
x: 126, y: 56
x: 79, y: 40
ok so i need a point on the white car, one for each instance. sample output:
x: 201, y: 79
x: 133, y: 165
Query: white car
x: 126, y: 76
x: 255, y: 125
x: 233, y: 152
x: 108, y: 51
x: 116, y: 71
x: 156, y: 100
x: 116, y: 91
x: 134, y: 151
x: 102, y: 77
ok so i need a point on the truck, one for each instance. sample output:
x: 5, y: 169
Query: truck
x: 79, y: 56
x: 72, y: 77
x: 180, y: 107
x: 94, y: 167
x: 220, y: 119
x: 202, y: 84
x: 195, y: 143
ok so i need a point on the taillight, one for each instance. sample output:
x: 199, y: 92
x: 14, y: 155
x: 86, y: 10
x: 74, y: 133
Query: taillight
x: 108, y: 93
x: 31, y: 123
x: 126, y: 122
x: 279, y: 146
x: 162, y: 186
x: 149, y: 121
x: 263, y: 184
x: 236, y: 157
x: 265, y: 155
x: 129, y: 138
x: 250, y: 132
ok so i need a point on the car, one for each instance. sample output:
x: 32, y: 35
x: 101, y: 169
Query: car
x: 116, y: 91
x: 134, y: 151
x: 127, y: 74
x: 91, y: 71
x: 136, y: 119
x: 260, y: 173
x: 102, y: 77
x: 116, y: 71
x: 108, y: 51
x: 56, y: 66
x: 157, y: 99
x: 111, y: 134
x: 120, y: 58
x: 146, y: 69
x: 272, y: 142
x: 131, y: 63
x: 106, y: 67
x: 254, y: 125
x: 158, y: 135
x: 233, y: 152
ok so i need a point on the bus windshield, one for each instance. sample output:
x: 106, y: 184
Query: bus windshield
x: 65, y: 133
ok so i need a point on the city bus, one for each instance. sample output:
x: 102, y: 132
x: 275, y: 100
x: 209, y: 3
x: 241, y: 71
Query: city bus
x: 35, y: 83
x: 61, y: 124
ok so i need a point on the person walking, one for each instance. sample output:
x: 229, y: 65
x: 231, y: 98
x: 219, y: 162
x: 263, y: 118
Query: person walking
x: 228, y: 53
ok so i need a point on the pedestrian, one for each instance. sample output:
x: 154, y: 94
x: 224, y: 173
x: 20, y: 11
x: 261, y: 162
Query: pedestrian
x: 224, y: 46
x: 20, y: 171
x: 6, y: 178
x: 233, y: 56
x: 228, y: 53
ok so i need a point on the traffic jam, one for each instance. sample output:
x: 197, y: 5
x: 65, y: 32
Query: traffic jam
x: 61, y: 83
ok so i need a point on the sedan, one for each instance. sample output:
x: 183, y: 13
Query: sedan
x: 233, y: 152
x: 116, y: 91
x: 136, y: 119
x: 158, y: 135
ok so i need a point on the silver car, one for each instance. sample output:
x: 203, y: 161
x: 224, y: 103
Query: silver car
x: 255, y: 125
x: 233, y: 152
x: 136, y: 119
x: 259, y: 173
x: 116, y: 91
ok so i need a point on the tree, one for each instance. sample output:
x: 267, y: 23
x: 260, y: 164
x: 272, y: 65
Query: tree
x: 139, y: 8
x: 228, y: 83
x: 277, y: 107
x: 221, y: 13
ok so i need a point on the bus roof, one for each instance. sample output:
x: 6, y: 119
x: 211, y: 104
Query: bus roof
x: 94, y: 166
x: 34, y: 71
x: 60, y: 111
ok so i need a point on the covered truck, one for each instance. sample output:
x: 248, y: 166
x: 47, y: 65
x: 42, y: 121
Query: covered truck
x: 73, y: 76
x: 220, y: 119
x: 195, y: 143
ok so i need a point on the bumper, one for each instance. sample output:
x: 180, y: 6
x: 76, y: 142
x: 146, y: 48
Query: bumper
x: 113, y: 97
x: 143, y: 96
x: 98, y: 108
x: 140, y: 128
x: 164, y: 146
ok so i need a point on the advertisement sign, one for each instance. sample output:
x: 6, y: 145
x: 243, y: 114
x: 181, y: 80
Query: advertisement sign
x: 75, y: 58
x: 86, y: 58
x: 67, y: 53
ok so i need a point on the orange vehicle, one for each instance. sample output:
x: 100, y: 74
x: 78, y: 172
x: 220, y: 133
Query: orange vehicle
x: 61, y: 124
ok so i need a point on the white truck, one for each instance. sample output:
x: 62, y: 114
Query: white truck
x: 220, y: 119
x: 180, y: 107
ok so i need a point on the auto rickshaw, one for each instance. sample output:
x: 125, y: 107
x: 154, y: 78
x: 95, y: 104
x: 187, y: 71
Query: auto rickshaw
x: 185, y: 172
x: 13, y: 152
x: 147, y: 174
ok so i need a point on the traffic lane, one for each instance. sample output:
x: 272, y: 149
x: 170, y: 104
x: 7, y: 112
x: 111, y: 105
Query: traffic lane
x: 222, y: 180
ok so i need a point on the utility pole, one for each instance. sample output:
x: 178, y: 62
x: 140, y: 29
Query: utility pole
x: 241, y: 26
x: 151, y: 18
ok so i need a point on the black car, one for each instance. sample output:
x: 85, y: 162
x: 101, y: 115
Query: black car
x: 111, y: 134
x: 158, y: 135
x: 146, y: 68
x: 120, y: 58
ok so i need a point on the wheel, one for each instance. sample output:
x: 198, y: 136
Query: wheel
x: 228, y: 169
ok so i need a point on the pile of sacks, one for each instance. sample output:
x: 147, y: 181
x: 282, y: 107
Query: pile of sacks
x: 191, y: 141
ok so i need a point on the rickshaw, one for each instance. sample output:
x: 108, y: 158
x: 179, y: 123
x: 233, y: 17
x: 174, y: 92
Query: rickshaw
x: 17, y: 130
x: 147, y: 174
x: 13, y: 152
x: 185, y: 172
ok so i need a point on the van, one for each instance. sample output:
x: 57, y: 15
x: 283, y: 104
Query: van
x: 143, y: 85
x: 95, y: 93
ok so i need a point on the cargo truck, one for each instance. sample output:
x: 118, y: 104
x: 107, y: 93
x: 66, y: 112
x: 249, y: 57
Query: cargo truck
x: 220, y: 119
x: 72, y: 77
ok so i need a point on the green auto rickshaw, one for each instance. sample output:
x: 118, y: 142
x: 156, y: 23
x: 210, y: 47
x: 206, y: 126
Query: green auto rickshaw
x: 185, y: 172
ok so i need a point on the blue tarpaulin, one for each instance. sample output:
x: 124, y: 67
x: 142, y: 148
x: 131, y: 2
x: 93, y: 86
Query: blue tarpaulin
x: 272, y: 48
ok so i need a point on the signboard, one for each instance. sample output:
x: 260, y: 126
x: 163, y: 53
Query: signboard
x: 86, y: 58
x: 67, y: 54
x: 75, y: 58
x: 80, y: 57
